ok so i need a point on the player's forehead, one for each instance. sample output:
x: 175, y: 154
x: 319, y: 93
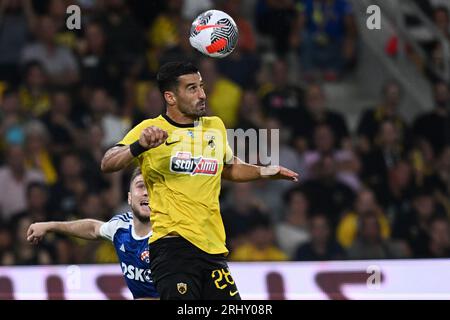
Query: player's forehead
x: 189, y: 78
x: 138, y: 179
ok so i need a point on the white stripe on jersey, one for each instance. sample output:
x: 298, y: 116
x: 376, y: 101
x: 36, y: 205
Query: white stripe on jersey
x: 109, y: 229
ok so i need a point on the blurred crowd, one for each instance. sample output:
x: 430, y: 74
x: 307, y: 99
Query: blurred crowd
x: 378, y: 192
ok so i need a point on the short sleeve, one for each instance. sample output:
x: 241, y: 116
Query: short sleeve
x: 228, y: 156
x: 134, y: 133
x: 109, y: 229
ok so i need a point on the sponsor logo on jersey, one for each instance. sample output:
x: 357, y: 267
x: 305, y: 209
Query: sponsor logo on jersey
x: 135, y: 273
x: 183, y: 162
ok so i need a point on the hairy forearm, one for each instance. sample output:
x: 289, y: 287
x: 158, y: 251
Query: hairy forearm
x: 116, y: 159
x: 88, y: 229
x: 239, y: 171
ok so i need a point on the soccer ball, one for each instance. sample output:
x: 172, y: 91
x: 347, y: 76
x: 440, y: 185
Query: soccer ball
x: 214, y: 33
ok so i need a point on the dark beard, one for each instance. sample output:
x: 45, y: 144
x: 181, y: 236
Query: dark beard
x: 196, y: 114
x: 141, y: 218
x: 138, y: 216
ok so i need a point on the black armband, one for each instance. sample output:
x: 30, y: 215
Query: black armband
x: 136, y: 149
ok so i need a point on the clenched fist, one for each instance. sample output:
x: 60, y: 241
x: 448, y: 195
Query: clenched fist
x: 152, y: 137
x: 36, y: 232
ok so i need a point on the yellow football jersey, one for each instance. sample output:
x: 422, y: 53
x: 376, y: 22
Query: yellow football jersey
x: 183, y: 177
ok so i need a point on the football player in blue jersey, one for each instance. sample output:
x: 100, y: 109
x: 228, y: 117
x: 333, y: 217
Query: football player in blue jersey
x: 129, y: 233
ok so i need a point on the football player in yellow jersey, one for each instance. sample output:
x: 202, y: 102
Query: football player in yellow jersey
x: 183, y: 155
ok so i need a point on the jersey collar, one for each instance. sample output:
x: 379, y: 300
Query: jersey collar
x: 135, y: 236
x: 180, y: 125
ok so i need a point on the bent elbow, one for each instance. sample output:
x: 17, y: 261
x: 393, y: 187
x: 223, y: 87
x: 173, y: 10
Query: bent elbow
x: 104, y: 167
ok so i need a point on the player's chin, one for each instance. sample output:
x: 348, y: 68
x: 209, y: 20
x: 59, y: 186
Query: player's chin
x: 144, y: 211
x: 200, y: 112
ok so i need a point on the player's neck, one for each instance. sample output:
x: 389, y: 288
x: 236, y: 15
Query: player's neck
x: 141, y: 229
x: 176, y: 116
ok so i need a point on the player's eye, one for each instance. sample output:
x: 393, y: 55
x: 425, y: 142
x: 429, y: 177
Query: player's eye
x: 140, y: 185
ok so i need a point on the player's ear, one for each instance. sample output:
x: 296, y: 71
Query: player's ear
x: 170, y: 98
x: 129, y: 198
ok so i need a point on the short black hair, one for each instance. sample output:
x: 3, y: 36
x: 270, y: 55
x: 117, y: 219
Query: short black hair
x: 168, y: 74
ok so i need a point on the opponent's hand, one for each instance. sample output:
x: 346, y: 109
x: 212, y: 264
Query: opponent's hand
x: 152, y: 137
x: 36, y: 232
x: 278, y: 172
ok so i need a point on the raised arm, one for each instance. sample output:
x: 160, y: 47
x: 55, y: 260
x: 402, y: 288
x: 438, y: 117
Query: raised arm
x: 119, y: 157
x: 85, y: 229
x: 239, y: 171
x: 116, y: 158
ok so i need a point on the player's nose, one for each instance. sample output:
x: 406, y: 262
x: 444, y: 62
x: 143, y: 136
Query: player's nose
x: 202, y: 94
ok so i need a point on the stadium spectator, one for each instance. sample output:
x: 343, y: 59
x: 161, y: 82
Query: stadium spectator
x: 369, y: 243
x: 325, y: 33
x: 218, y: 89
x: 163, y: 34
x: 243, y: 65
x: 293, y: 231
x: 259, y: 244
x: 439, y: 244
x: 280, y: 98
x: 413, y: 226
x: 23, y: 253
x: 396, y: 197
x: 152, y: 105
x: 99, y: 67
x: 326, y: 193
x: 387, y: 152
x: 347, y: 162
x: 322, y: 245
x: 433, y: 127
x: 240, y: 207
x: 71, y: 186
x: 57, y: 12
x: 18, y: 19
x: 274, y: 19
x: 37, y: 197
x: 442, y: 20
x: 103, y: 110
x: 372, y: 118
x: 12, y: 119
x: 63, y: 123
x: 365, y: 203
x: 33, y: 92
x: 125, y: 38
x: 250, y: 112
x: 14, y: 179
x: 181, y: 49
x: 58, y: 61
x: 317, y: 113
x: 6, y: 244
x: 38, y: 156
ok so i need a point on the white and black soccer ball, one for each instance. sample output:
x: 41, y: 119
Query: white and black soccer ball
x: 214, y: 33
